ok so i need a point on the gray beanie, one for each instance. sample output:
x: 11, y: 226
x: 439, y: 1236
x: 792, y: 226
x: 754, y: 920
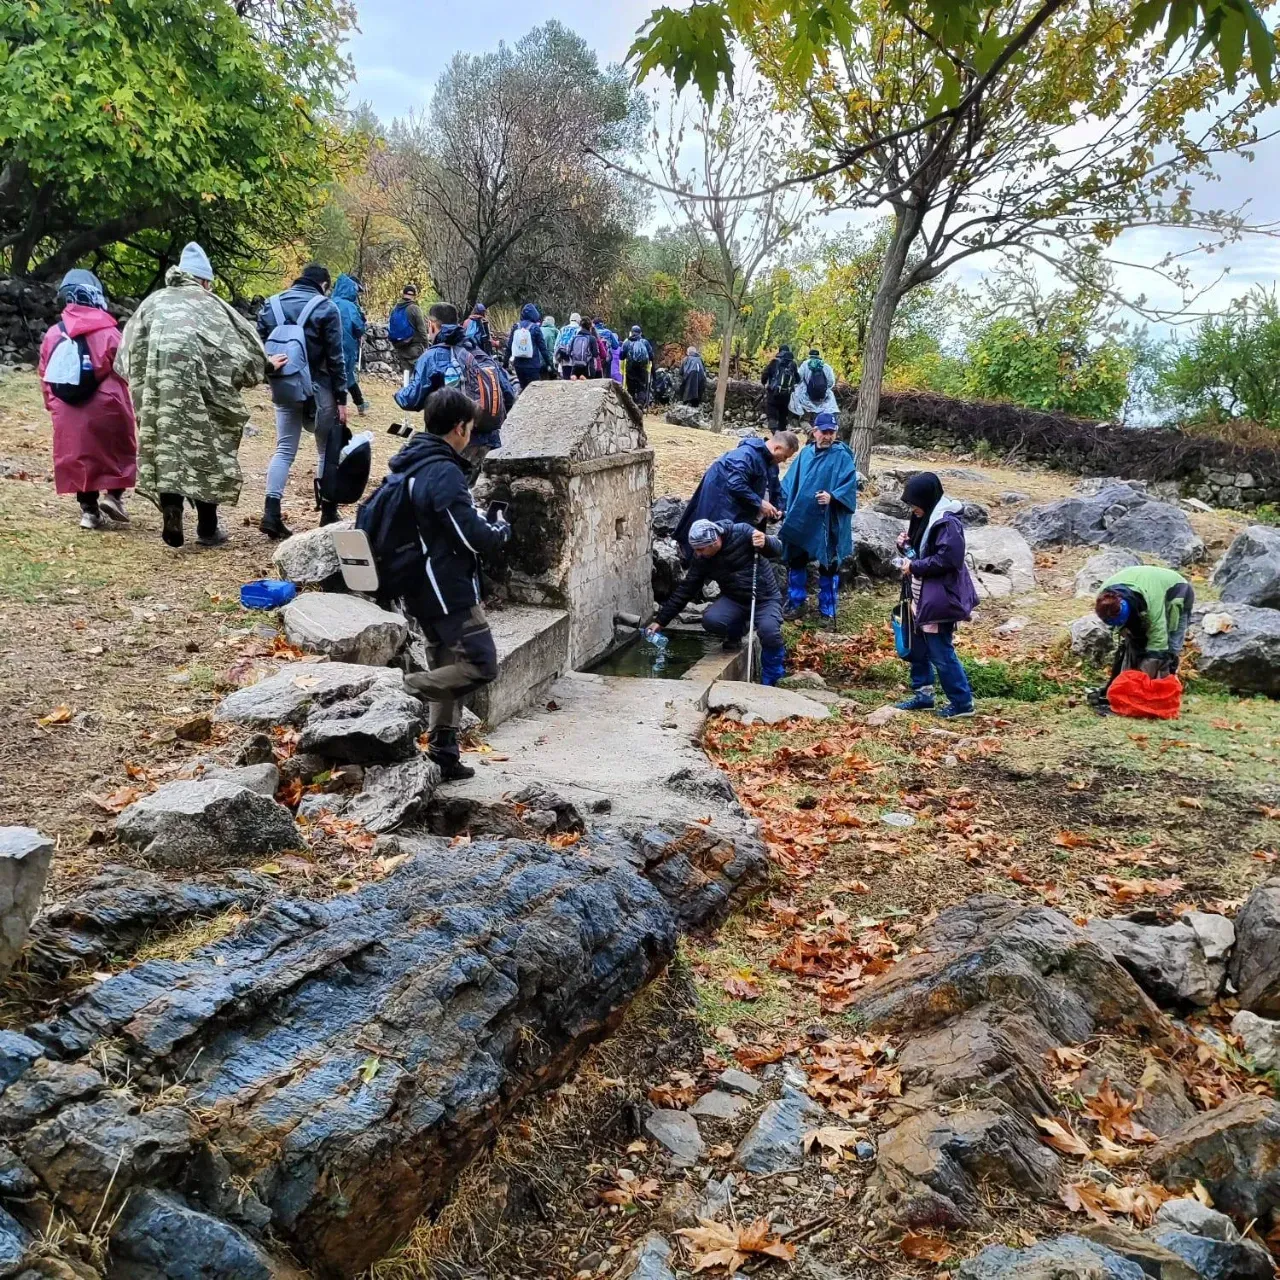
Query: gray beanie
x: 703, y: 533
x: 195, y: 262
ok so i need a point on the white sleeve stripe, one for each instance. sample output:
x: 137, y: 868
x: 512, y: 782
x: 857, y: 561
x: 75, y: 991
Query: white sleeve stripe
x: 460, y: 534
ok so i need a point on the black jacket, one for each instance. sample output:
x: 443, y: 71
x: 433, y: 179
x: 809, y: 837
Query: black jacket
x: 731, y: 567
x: 454, y: 534
x: 323, y: 330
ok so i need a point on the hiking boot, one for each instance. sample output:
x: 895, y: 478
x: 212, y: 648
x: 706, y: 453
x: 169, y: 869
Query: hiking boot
x: 113, y: 508
x: 92, y: 520
x: 794, y: 612
x: 731, y: 646
x: 216, y: 537
x: 921, y: 700
x: 329, y: 513
x: 953, y: 712
x: 172, y: 532
x: 451, y: 768
x: 273, y: 524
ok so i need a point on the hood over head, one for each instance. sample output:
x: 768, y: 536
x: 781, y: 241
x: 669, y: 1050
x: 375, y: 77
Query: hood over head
x: 530, y: 312
x: 346, y: 287
x: 423, y: 447
x: 83, y: 288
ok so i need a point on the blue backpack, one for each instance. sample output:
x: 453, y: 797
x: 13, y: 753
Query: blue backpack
x: 400, y: 327
x: 291, y: 384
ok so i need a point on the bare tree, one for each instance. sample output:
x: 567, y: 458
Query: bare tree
x: 739, y: 144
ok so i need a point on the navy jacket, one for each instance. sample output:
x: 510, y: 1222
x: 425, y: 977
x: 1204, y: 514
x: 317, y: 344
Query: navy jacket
x: 731, y: 567
x: 733, y: 487
x: 323, y: 330
x: 437, y: 367
x: 541, y: 359
x: 454, y: 534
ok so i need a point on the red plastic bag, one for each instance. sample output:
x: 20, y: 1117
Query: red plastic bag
x: 1134, y: 693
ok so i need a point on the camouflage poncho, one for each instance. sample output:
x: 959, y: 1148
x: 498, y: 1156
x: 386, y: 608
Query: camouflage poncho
x: 187, y: 356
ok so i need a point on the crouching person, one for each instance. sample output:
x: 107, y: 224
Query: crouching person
x: 729, y: 555
x: 1150, y: 606
x: 446, y: 602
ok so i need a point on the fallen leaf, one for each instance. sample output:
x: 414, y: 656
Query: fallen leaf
x: 1114, y: 1115
x: 1191, y: 802
x: 832, y: 1139
x: 1071, y: 840
x: 742, y: 988
x: 59, y: 715
x: 119, y: 799
x: 564, y: 839
x: 1086, y: 1197
x: 927, y: 1248
x: 716, y: 1244
x: 1061, y: 1137
x: 290, y: 793
x: 1269, y: 810
x: 671, y: 1097
x: 269, y: 869
x: 1113, y: 1155
x: 370, y: 1067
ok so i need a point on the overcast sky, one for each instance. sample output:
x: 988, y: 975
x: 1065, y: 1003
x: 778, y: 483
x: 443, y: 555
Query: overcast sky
x: 403, y: 45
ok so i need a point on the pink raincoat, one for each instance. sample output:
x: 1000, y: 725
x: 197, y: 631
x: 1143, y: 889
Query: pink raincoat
x: 95, y: 444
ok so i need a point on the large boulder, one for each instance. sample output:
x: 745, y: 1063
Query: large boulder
x: 1098, y: 568
x: 393, y: 794
x: 1161, y: 529
x: 288, y: 696
x: 689, y: 415
x: 1246, y: 656
x: 666, y: 514
x: 1168, y: 961
x: 346, y: 628
x: 1091, y: 638
x: 1250, y: 571
x: 309, y: 558
x: 875, y: 543
x: 206, y: 823
x: 667, y: 567
x: 1260, y: 1038
x: 380, y: 726
x: 1255, y: 962
x: 25, y: 856
x: 974, y: 514
x: 1069, y: 1257
x: 996, y: 548
x: 1116, y: 515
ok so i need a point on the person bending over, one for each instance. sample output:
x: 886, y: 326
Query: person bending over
x: 1150, y: 607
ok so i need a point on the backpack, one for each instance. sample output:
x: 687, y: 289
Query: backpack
x: 387, y: 519
x: 784, y: 377
x: 400, y: 327
x: 292, y: 384
x: 347, y: 463
x: 522, y: 342
x: 816, y: 382
x: 479, y: 379
x: 583, y: 350
x: 638, y: 351
x: 69, y: 373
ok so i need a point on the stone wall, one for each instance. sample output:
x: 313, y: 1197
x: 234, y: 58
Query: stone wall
x: 27, y: 310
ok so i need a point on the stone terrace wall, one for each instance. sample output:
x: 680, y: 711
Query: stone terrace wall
x: 1212, y: 470
x: 27, y: 309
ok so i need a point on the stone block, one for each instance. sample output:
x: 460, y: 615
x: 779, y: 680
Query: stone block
x: 533, y: 650
x: 309, y: 558
x: 25, y: 856
x: 288, y: 696
x: 345, y: 628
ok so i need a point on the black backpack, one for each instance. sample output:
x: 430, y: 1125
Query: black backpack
x: 784, y: 377
x: 75, y: 392
x: 816, y: 383
x: 387, y: 519
x: 345, y: 478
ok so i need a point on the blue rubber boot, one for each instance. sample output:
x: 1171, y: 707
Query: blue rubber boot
x: 827, y: 587
x: 797, y: 592
x: 772, y: 665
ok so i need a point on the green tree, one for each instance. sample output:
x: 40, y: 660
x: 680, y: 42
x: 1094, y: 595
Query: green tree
x: 1229, y: 367
x: 128, y: 126
x: 654, y: 301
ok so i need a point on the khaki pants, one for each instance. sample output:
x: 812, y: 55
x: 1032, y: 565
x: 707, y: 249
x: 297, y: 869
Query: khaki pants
x: 463, y: 659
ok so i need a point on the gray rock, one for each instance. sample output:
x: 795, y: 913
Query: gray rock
x: 17, y: 1053
x: 718, y: 1196
x: 1261, y: 1039
x: 312, y: 806
x: 287, y: 696
x: 1250, y: 571
x: 776, y: 1141
x: 1096, y: 484
x: 1216, y: 933
x: 689, y: 415
x: 258, y: 749
x: 739, y: 1082
x: 1211, y: 1259
x: 346, y: 628
x: 1091, y: 638
x: 717, y: 1105
x: 1167, y: 961
x: 677, y: 1131
x: 875, y: 543
x: 1013, y: 498
x: 262, y: 778
x: 648, y: 1260
x: 14, y: 1241
x: 25, y: 856
x: 737, y: 699
x: 803, y: 680
x: 666, y: 515
x: 202, y: 824
x: 1255, y: 962
x: 997, y: 548
x: 991, y: 586
x: 381, y: 726
x: 1160, y: 529
x: 1098, y: 568
x: 882, y: 715
x: 1077, y: 521
x: 309, y: 558
x: 667, y: 567
x: 888, y: 505
x: 974, y: 514
x: 1186, y: 1213
x: 1066, y: 1258
x: 1246, y: 657
x: 1012, y: 625
x: 394, y: 794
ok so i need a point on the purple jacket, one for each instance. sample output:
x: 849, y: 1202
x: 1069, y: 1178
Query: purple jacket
x: 947, y: 593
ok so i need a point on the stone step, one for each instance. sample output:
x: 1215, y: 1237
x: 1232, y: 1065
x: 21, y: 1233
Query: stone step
x: 533, y: 652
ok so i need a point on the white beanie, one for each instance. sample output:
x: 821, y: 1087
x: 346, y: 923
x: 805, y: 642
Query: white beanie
x: 195, y: 262
x: 575, y: 318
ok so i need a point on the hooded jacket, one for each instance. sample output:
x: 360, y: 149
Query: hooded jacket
x: 1155, y: 614
x: 541, y: 359
x: 345, y: 294
x: 732, y: 568
x: 825, y: 534
x: 802, y: 402
x: 733, y: 487
x: 437, y: 367
x: 947, y: 593
x: 693, y: 380
x: 454, y: 534
x: 323, y: 331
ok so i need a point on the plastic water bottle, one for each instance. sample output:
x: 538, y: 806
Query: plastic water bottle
x: 658, y: 640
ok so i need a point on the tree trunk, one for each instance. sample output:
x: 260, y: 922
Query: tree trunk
x: 722, y: 376
x: 102, y: 236
x: 906, y: 223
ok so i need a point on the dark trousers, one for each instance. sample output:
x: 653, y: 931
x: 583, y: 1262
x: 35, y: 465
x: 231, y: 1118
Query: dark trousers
x: 357, y: 396
x: 798, y: 558
x: 89, y: 501
x: 463, y: 659
x: 729, y: 618
x: 936, y: 651
x: 206, y: 512
x: 526, y: 374
x: 777, y: 408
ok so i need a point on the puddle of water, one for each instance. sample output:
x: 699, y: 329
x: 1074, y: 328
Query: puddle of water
x: 647, y: 661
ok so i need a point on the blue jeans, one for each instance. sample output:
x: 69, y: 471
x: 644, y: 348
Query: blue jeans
x: 291, y: 422
x: 937, y: 652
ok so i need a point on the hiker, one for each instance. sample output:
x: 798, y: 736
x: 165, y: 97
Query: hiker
x: 741, y: 485
x: 527, y: 350
x: 1149, y: 606
x: 693, y: 378
x: 586, y: 353
x: 454, y: 535
x: 563, y: 338
x: 820, y: 491
x: 612, y: 350
x: 942, y: 594
x: 779, y: 381
x: 637, y: 351
x: 346, y: 293
x: 815, y: 389
x: 187, y: 356
x: 95, y: 437
x: 550, y: 336
x: 729, y: 555
x: 486, y: 382
x: 476, y: 330
x: 407, y: 330
x: 318, y: 403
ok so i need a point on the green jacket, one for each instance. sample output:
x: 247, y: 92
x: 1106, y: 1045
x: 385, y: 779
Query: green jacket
x: 1152, y: 582
x: 187, y: 356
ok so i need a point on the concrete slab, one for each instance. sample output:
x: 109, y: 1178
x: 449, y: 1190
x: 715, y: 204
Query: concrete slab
x: 756, y: 702
x: 533, y: 649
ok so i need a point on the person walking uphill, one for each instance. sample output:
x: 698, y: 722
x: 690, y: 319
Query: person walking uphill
x: 317, y: 402
x: 346, y: 294
x: 820, y: 491
x: 476, y: 330
x: 446, y: 604
x: 942, y: 594
x: 729, y: 555
x: 693, y: 378
x: 779, y: 381
x: 815, y: 388
x: 638, y: 354
x: 527, y: 348
x: 407, y: 330
x: 187, y: 356
x: 95, y: 438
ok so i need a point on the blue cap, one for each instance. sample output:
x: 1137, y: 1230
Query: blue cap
x: 480, y: 309
x: 825, y: 422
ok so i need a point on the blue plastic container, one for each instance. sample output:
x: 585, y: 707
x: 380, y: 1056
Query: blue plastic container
x: 267, y: 593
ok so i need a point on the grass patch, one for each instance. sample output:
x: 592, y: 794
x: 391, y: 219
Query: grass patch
x: 1022, y: 682
x: 183, y: 942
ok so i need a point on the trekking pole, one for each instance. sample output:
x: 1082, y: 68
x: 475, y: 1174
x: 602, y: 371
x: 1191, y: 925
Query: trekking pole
x: 751, y: 622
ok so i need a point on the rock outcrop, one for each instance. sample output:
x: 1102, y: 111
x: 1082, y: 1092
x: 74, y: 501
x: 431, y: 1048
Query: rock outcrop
x: 379, y: 726
x: 1246, y: 656
x: 1098, y: 568
x: 1250, y: 571
x: 309, y: 558
x: 1255, y: 962
x: 288, y: 696
x: 1170, y: 962
x: 344, y: 628
x: 1091, y: 638
x: 998, y: 549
